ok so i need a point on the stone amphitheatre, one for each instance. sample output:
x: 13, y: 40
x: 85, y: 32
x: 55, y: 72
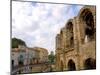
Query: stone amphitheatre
x: 76, y: 42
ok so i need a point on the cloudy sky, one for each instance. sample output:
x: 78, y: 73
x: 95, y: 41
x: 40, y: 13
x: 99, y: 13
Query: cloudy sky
x: 39, y: 23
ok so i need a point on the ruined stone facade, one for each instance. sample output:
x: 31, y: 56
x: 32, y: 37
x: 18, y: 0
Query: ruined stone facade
x: 76, y: 42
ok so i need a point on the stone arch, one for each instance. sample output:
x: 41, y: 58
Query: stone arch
x: 90, y: 63
x: 71, y: 65
x: 69, y: 25
x: 86, y: 25
x: 69, y: 28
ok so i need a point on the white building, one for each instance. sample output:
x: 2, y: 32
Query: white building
x: 23, y: 56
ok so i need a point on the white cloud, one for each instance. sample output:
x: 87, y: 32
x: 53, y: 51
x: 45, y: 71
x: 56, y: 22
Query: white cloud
x: 38, y: 23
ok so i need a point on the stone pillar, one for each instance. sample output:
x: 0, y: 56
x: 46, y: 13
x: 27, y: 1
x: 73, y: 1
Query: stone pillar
x: 64, y: 59
x: 76, y: 34
x: 81, y: 29
x: 64, y: 41
x: 57, y: 60
x: 64, y: 37
x: 76, y: 40
x: 58, y: 49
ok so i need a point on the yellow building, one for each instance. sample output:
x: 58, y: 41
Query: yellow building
x: 43, y: 54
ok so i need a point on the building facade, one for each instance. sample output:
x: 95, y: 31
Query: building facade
x: 43, y: 54
x: 18, y: 57
x: 27, y: 56
x: 27, y: 60
x: 76, y: 42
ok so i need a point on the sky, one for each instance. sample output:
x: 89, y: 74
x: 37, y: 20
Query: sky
x: 39, y: 23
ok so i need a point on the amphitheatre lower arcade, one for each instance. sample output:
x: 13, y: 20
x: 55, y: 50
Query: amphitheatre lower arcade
x: 76, y: 42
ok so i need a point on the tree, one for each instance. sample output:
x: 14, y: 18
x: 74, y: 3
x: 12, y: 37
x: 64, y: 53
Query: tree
x: 16, y: 42
x: 51, y: 57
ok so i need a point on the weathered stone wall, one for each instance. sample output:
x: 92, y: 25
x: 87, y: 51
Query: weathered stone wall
x: 81, y: 50
x: 87, y: 50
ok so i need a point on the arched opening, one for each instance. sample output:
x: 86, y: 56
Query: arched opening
x: 88, y: 22
x: 71, y: 65
x: 21, y: 60
x: 89, y: 29
x: 69, y: 28
x: 90, y: 63
x: 71, y: 41
x: 12, y: 63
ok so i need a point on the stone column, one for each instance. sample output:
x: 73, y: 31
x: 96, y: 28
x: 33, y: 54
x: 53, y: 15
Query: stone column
x: 76, y: 40
x: 76, y: 34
